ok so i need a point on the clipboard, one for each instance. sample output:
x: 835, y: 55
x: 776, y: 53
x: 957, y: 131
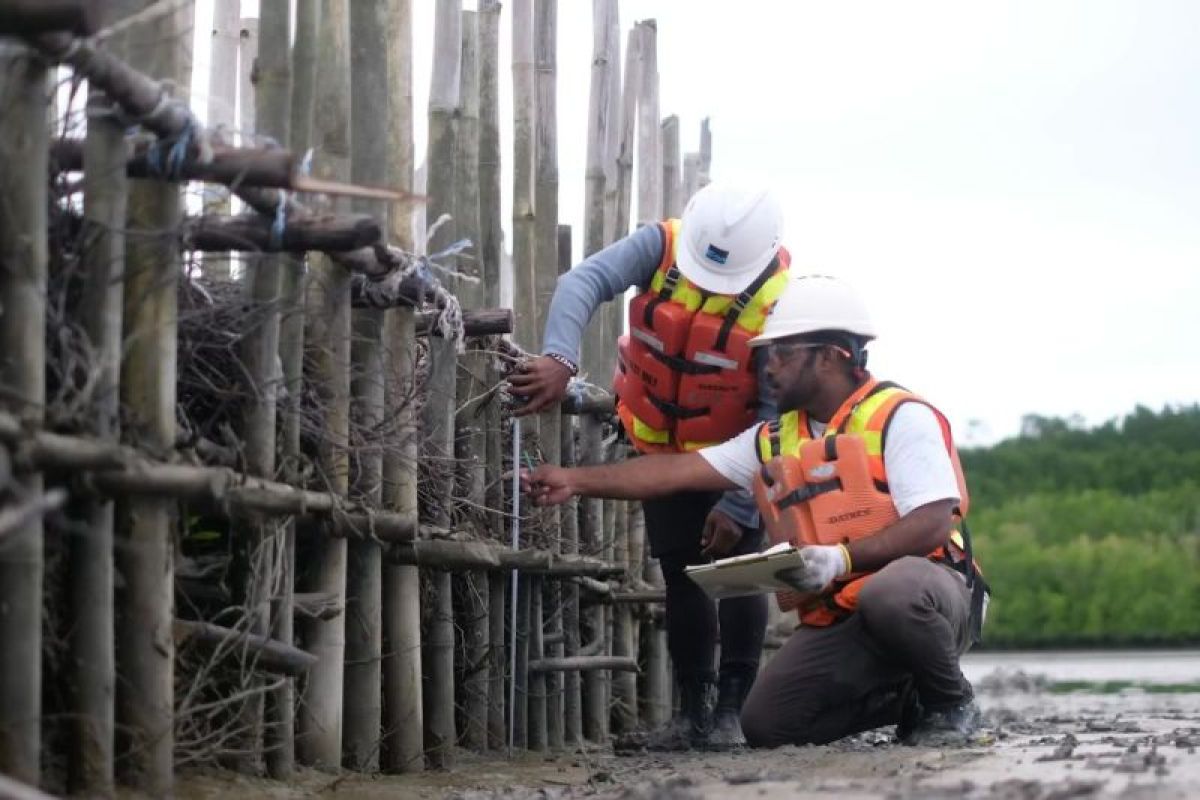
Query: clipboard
x: 741, y: 576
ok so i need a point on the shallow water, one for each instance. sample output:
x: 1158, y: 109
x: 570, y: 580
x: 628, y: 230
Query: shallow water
x: 1141, y: 666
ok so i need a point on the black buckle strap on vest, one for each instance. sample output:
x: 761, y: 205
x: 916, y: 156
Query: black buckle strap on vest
x: 773, y: 432
x: 683, y: 366
x: 831, y: 452
x: 808, y: 492
x: 670, y: 281
x: 676, y: 411
x: 741, y: 301
x: 975, y: 583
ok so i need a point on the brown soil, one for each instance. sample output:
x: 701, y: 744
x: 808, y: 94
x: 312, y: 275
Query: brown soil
x: 1036, y: 746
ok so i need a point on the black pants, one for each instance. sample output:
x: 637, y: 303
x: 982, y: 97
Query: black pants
x: 912, y: 624
x: 673, y: 527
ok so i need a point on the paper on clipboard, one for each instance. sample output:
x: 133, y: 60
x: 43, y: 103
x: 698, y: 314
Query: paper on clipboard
x: 751, y: 574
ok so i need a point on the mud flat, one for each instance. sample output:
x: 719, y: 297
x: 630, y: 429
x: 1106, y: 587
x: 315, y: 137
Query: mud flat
x: 1038, y: 744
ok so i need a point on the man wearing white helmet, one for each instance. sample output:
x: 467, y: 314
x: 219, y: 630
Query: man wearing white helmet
x: 864, y: 477
x: 687, y: 378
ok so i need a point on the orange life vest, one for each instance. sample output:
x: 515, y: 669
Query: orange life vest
x: 833, y: 490
x: 685, y: 375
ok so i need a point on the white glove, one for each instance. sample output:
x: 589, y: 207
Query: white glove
x: 822, y: 563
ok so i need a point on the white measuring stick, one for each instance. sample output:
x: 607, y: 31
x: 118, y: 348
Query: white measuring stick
x: 512, y: 617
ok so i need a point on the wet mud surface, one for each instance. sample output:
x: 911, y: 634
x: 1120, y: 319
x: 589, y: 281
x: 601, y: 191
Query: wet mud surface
x: 1036, y: 745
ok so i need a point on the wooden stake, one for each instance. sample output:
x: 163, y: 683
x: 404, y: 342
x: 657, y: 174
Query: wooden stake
x: 222, y: 109
x: 650, y: 170
x: 497, y: 731
x: 524, y: 235
x: 23, y: 265
x: 370, y: 98
x: 491, y: 253
x: 319, y: 739
x: 247, y: 47
x: 615, y: 313
x: 672, y: 186
x: 595, y: 710
x: 572, y: 697
x: 403, y: 715
x: 626, y: 141
x: 438, y: 412
x: 145, y: 651
x: 90, y: 581
x: 546, y: 270
x: 603, y: 85
x: 282, y: 755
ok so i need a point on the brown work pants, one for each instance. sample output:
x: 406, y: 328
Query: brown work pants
x: 912, y: 624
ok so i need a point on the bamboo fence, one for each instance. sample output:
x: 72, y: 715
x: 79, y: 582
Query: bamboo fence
x: 281, y: 494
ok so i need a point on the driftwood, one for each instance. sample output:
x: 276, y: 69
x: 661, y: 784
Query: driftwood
x: 27, y: 17
x: 232, y: 166
x: 270, y: 655
x: 256, y: 233
x: 584, y: 664
x: 476, y: 323
x: 587, y: 398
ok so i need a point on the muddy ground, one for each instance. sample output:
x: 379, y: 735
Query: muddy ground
x: 1037, y: 745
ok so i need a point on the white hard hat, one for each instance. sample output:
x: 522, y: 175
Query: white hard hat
x: 728, y: 237
x: 811, y: 303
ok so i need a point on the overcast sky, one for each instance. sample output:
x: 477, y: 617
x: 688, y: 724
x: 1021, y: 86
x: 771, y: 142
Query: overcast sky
x: 1013, y: 186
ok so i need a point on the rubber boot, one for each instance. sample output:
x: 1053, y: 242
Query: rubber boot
x: 727, y: 727
x: 688, y: 728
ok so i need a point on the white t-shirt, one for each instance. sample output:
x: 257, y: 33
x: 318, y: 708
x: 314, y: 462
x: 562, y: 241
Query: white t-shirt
x: 919, y: 470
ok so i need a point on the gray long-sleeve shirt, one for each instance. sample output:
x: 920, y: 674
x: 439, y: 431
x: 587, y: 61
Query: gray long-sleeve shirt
x: 605, y: 276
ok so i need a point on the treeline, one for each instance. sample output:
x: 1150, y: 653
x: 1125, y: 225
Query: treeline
x: 1091, y: 537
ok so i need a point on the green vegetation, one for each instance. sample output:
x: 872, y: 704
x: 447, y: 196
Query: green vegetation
x: 1116, y: 687
x: 1091, y: 537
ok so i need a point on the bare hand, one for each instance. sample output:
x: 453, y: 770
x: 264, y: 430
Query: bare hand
x: 548, y: 485
x: 721, y: 534
x: 542, y: 381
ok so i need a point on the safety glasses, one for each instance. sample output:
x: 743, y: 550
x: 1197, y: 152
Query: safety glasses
x: 782, y: 350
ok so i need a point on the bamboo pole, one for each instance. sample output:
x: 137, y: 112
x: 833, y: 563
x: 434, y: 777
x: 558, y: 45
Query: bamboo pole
x: 144, y: 648
x: 440, y: 402
x: 491, y: 253
x: 497, y: 697
x: 626, y: 143
x: 247, y: 53
x: 537, y: 719
x: 222, y: 109
x: 281, y: 756
x: 595, y: 710
x: 572, y: 697
x: 319, y: 730
x: 470, y: 436
x: 623, y: 686
x: 546, y: 270
x: 363, y: 699
x: 691, y: 176
x: 520, y: 710
x: 615, y: 313
x: 603, y: 85
x: 90, y: 577
x: 524, y: 153
x: 262, y: 539
x: 650, y: 170
x: 403, y: 717
x: 24, y: 92
x: 672, y: 186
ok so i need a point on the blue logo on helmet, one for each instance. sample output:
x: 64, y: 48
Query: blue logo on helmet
x: 716, y: 254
